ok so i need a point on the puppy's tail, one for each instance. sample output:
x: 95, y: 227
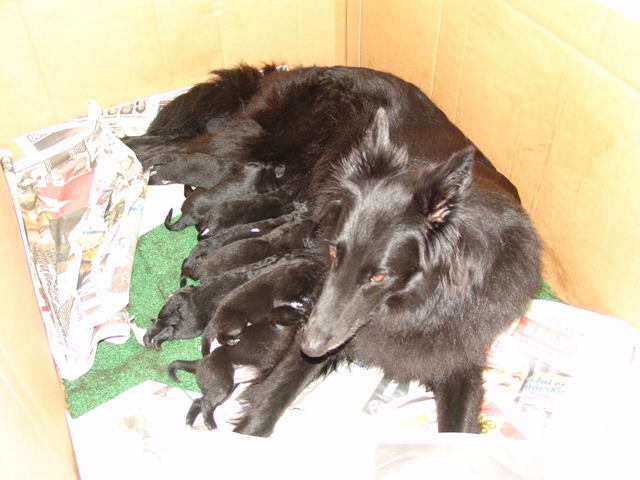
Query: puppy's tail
x: 186, y: 365
x: 180, y: 224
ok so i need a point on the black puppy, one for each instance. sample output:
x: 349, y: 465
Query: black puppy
x: 283, y: 239
x: 260, y: 346
x: 249, y: 209
x: 189, y: 309
x: 233, y: 234
x: 295, y: 282
x: 252, y: 178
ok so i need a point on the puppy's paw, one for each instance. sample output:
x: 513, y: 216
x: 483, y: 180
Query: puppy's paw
x: 194, y: 411
x: 158, y: 334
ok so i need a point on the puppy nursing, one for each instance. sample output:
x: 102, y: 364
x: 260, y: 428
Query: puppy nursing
x: 390, y: 240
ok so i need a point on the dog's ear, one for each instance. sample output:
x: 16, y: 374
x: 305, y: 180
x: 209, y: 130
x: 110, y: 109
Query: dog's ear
x: 328, y: 214
x: 441, y: 190
x: 376, y: 157
x: 378, y: 135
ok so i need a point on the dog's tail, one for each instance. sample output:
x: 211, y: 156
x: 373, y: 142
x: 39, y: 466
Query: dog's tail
x: 180, y: 224
x: 186, y: 365
x: 207, y: 106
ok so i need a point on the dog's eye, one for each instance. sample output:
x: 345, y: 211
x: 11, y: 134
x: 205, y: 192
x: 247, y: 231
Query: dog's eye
x: 378, y: 277
x: 333, y: 253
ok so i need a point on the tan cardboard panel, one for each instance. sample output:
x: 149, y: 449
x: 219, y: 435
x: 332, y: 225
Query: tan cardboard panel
x: 450, y: 55
x: 292, y: 32
x: 25, y: 100
x: 394, y: 32
x: 588, y: 204
x: 579, y: 23
x: 94, y: 51
x: 594, y: 30
x: 352, y: 33
x: 190, y: 37
x: 30, y: 392
x: 509, y: 92
x: 553, y: 116
x: 619, y: 48
x: 319, y: 45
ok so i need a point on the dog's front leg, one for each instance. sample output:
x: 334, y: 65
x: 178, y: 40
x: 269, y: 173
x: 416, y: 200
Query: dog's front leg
x: 269, y: 399
x: 458, y: 399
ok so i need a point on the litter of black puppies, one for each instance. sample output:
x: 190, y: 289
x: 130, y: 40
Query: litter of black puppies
x: 342, y: 218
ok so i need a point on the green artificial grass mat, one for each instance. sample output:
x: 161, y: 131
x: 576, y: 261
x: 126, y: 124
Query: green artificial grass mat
x: 155, y: 275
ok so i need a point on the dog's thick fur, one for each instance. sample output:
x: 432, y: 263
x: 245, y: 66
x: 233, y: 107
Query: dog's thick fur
x: 431, y: 254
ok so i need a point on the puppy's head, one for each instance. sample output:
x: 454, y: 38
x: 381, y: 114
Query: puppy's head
x: 173, y: 319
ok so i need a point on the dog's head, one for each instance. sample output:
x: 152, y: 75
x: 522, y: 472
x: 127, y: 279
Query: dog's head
x: 392, y: 232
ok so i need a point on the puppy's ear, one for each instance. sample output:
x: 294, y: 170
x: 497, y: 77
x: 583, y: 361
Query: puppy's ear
x: 440, y: 191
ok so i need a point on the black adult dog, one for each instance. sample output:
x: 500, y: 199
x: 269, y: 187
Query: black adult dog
x: 431, y: 254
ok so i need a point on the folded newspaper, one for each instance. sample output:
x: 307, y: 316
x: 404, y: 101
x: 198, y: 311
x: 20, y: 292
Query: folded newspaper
x: 79, y: 194
x: 562, y: 388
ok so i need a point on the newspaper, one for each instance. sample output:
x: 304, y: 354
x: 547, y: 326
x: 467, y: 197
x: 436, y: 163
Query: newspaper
x: 79, y: 195
x: 546, y: 375
x: 555, y: 382
x: 129, y: 119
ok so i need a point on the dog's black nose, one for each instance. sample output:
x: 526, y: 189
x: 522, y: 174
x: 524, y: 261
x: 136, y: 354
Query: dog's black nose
x: 315, y: 346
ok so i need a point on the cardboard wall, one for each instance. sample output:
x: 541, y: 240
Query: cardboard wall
x: 62, y: 53
x: 56, y: 56
x: 550, y: 92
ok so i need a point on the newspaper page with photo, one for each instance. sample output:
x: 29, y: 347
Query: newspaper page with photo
x: 79, y: 195
x: 556, y: 373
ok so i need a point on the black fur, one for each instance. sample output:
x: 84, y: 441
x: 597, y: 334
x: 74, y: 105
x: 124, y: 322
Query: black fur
x: 283, y: 239
x: 189, y: 309
x: 431, y: 254
x: 295, y: 282
x: 250, y: 179
x: 259, y: 346
x: 427, y: 264
x: 250, y: 209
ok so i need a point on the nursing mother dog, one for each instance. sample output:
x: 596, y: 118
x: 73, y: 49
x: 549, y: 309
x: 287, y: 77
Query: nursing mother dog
x: 429, y: 255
